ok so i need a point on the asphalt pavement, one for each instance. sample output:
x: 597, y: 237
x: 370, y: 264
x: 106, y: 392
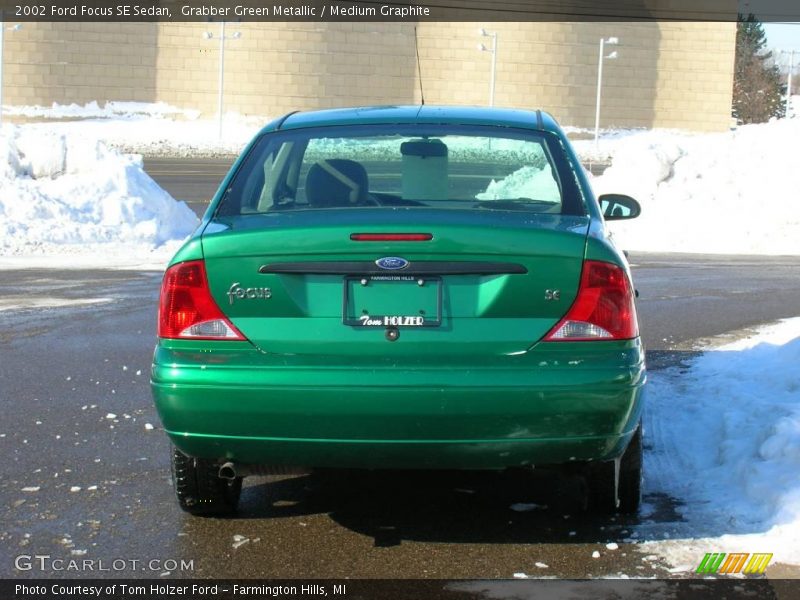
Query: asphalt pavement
x: 86, y: 469
x: 86, y: 464
x: 193, y: 180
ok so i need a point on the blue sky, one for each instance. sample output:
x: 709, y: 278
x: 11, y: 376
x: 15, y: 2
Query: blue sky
x: 783, y: 36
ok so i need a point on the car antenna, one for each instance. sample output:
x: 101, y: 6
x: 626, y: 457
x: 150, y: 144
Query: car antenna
x: 419, y: 66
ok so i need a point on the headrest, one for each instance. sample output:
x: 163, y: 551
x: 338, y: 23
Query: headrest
x: 336, y: 182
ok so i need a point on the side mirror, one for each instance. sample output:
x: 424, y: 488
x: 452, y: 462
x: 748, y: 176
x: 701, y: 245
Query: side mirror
x: 617, y: 207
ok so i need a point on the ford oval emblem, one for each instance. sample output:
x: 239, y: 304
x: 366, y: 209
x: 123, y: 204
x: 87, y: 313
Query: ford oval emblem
x: 392, y: 263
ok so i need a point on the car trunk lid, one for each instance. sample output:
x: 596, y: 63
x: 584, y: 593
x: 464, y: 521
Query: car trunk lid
x: 303, y: 282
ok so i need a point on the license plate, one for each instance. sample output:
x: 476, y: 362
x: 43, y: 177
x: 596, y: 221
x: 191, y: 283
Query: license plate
x: 392, y: 301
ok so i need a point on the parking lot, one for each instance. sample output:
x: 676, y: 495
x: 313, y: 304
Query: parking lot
x: 86, y: 465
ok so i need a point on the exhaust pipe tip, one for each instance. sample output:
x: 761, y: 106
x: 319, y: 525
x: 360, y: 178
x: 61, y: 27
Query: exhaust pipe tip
x: 227, y: 471
x: 231, y: 470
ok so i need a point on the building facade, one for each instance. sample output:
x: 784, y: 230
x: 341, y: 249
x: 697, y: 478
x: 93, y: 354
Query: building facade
x: 666, y: 74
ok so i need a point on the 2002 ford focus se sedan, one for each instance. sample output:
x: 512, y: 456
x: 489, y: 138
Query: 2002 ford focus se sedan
x: 402, y: 287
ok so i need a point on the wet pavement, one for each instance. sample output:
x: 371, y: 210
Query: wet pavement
x: 86, y: 472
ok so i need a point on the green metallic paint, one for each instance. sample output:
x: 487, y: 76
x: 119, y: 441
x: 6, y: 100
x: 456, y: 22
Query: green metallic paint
x: 312, y: 392
x: 503, y: 313
x: 554, y: 402
x: 389, y: 454
x: 191, y: 250
x: 449, y: 115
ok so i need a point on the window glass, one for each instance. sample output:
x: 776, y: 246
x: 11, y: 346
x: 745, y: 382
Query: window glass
x: 468, y: 168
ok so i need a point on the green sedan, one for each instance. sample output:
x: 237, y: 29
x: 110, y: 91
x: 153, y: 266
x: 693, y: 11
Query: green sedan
x: 402, y: 288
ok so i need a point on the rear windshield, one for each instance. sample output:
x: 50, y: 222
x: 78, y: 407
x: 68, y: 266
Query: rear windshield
x: 444, y: 167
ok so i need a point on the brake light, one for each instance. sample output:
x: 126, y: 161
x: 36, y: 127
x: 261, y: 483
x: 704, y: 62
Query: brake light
x: 391, y: 237
x: 603, y: 310
x: 186, y: 308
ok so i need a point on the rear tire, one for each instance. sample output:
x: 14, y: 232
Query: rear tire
x: 630, y: 476
x: 200, y: 490
x: 629, y: 488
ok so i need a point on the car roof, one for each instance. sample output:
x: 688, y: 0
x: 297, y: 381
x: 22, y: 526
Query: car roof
x: 455, y: 115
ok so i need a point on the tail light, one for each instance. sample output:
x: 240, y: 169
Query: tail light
x: 603, y: 309
x: 187, y: 309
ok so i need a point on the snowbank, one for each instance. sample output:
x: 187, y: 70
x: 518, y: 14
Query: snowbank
x: 528, y: 182
x: 153, y: 129
x: 725, y: 439
x: 67, y: 195
x: 726, y: 193
x: 93, y: 110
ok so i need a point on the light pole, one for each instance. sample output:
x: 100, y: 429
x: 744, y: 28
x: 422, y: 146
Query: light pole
x: 493, y: 50
x: 235, y: 36
x: 16, y: 27
x: 612, y: 41
x: 789, y: 81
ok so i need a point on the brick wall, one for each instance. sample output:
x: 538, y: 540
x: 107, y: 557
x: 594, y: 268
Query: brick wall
x: 666, y: 74
x: 80, y: 62
x: 277, y: 67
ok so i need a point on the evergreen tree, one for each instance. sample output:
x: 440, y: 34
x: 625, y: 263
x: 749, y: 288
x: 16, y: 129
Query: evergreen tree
x: 757, y: 84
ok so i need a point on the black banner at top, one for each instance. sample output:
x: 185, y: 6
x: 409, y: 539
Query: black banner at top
x: 383, y: 10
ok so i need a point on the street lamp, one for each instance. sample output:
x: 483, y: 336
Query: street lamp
x: 612, y: 41
x: 482, y: 32
x: 789, y: 81
x: 235, y: 36
x: 16, y: 27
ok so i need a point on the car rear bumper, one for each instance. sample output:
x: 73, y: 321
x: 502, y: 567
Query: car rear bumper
x: 556, y: 403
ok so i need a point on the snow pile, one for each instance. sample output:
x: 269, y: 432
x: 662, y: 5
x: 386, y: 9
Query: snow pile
x: 66, y: 194
x: 528, y: 182
x: 153, y: 129
x: 607, y: 143
x: 725, y: 440
x: 723, y: 193
x: 92, y: 110
x: 714, y: 193
x: 709, y: 193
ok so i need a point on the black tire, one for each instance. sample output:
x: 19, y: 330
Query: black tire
x: 629, y: 490
x: 630, y: 476
x: 199, y: 488
x: 600, y: 481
